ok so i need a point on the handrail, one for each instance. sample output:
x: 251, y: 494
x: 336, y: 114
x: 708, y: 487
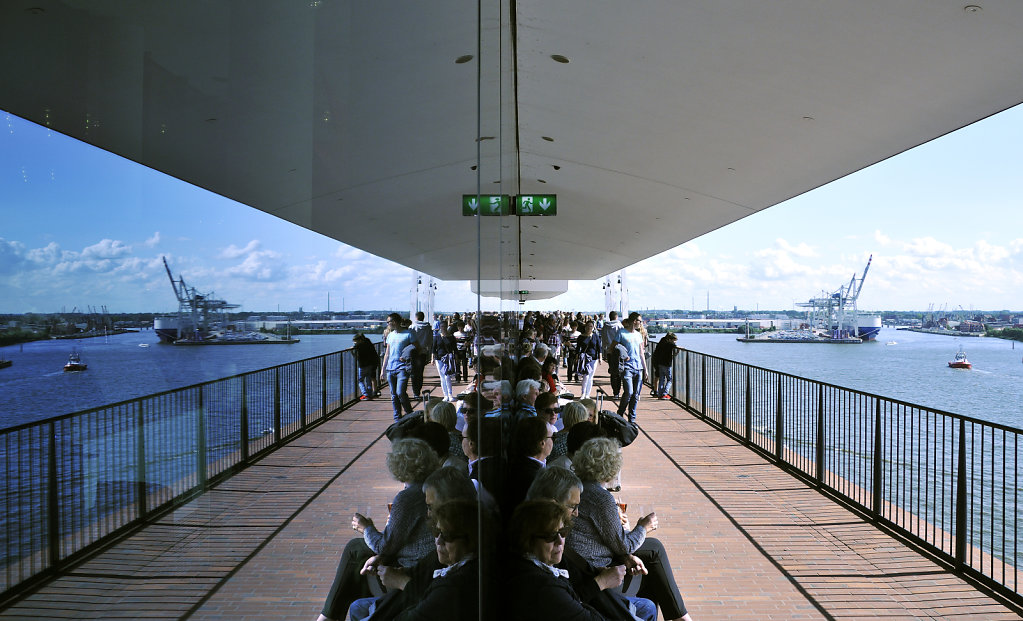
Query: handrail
x: 74, y: 482
x: 945, y: 481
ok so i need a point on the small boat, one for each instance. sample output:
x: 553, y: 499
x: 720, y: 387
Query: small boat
x: 4, y: 363
x: 960, y: 361
x: 74, y: 363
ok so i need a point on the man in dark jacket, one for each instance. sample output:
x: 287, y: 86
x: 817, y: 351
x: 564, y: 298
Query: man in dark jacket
x: 663, y: 360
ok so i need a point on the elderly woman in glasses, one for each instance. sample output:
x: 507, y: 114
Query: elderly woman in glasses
x: 542, y: 590
x: 598, y: 587
x: 441, y: 586
x: 600, y: 538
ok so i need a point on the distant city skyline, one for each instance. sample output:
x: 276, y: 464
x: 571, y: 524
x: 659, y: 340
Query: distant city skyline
x: 81, y: 227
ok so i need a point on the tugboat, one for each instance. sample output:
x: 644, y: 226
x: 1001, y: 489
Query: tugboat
x: 960, y: 361
x: 74, y: 363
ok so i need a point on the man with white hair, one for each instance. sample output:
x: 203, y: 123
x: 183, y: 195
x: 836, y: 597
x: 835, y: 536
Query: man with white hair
x: 530, y: 366
x: 526, y: 392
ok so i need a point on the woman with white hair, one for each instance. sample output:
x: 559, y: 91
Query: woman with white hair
x: 599, y: 537
x: 406, y: 538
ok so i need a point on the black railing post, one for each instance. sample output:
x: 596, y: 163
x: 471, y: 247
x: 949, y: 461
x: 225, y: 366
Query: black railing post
x: 877, y: 462
x: 749, y: 405
x: 323, y: 387
x: 688, y: 399
x: 724, y: 397
x: 200, y: 442
x: 277, y: 405
x: 703, y: 386
x: 341, y: 379
x: 302, y: 407
x: 243, y: 431
x: 140, y: 459
x: 819, y: 452
x: 779, y: 425
x: 52, y: 498
x: 960, y: 533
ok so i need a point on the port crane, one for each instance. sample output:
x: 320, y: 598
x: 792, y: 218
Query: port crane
x: 837, y: 311
x: 195, y: 310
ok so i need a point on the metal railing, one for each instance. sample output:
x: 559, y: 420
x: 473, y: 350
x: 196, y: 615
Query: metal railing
x: 948, y: 482
x: 73, y: 482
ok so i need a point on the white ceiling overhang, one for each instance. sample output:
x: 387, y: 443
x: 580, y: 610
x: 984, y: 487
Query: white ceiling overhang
x: 354, y: 119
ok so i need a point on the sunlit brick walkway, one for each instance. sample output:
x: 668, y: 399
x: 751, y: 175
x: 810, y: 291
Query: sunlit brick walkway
x: 746, y: 540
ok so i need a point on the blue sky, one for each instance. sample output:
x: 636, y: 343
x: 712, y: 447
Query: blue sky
x: 81, y: 227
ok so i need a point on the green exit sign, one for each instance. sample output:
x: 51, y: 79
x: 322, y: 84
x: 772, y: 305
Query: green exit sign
x: 486, y: 204
x: 536, y: 205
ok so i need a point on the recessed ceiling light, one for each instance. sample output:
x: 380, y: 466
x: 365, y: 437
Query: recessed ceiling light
x: 972, y: 8
x: 461, y: 60
x: 473, y: 167
x: 547, y: 138
x: 498, y: 181
x: 541, y: 181
x: 35, y: 10
x: 559, y: 58
x: 555, y: 167
x: 807, y: 118
x: 211, y: 120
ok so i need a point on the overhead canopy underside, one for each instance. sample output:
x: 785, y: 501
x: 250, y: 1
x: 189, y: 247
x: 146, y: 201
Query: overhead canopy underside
x: 366, y: 121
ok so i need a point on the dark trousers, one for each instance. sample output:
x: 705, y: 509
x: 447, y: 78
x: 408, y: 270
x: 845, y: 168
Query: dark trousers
x: 461, y: 366
x: 418, y: 366
x: 659, y: 583
x: 571, y: 372
x: 616, y: 375
x: 349, y: 585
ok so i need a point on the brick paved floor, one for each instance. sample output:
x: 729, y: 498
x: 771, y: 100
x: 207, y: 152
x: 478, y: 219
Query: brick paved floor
x: 746, y: 540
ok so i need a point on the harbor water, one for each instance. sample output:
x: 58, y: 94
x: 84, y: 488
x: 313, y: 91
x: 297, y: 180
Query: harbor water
x: 127, y: 366
x: 900, y: 364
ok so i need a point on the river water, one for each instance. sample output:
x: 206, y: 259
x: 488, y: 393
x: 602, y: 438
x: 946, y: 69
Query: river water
x: 914, y: 368
x: 900, y: 364
x: 36, y: 387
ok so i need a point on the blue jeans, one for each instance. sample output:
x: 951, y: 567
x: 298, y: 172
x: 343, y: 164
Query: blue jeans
x: 366, y: 377
x: 663, y: 379
x: 645, y: 609
x: 632, y: 385
x: 364, y: 607
x: 397, y: 381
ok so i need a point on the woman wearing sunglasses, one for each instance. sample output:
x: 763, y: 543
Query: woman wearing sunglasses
x: 542, y: 591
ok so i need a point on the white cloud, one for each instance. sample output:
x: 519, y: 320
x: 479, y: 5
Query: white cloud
x: 801, y: 249
x: 264, y: 265
x: 233, y: 252
x: 106, y: 249
x: 928, y: 247
x: 154, y: 240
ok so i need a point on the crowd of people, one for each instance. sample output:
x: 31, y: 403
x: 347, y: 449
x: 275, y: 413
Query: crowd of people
x: 506, y: 510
